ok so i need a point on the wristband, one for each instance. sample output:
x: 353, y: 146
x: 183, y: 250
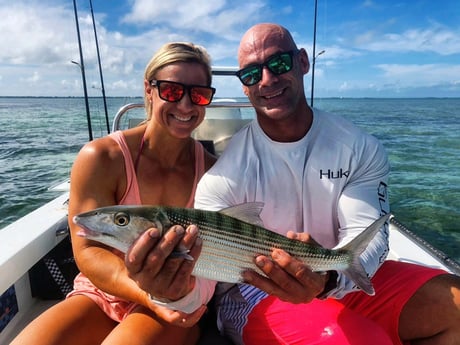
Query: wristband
x: 158, y: 299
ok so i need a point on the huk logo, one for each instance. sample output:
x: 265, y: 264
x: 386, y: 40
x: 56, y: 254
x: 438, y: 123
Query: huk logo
x: 329, y: 174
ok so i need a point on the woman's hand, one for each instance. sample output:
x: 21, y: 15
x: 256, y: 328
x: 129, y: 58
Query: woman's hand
x: 151, y: 266
x: 178, y: 318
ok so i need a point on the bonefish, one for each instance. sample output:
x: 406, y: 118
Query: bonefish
x: 231, y: 239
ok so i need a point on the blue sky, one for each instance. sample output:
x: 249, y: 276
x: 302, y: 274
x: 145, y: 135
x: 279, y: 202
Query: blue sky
x: 408, y: 48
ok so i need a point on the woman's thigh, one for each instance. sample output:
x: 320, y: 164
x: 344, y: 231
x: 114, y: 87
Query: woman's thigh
x: 76, y: 320
x: 142, y: 327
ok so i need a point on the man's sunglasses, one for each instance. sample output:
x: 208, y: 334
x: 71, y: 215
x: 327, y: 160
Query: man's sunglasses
x: 171, y: 91
x: 277, y: 64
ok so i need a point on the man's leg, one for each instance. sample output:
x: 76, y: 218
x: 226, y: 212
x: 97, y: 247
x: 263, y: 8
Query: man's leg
x: 395, y: 284
x: 432, y: 314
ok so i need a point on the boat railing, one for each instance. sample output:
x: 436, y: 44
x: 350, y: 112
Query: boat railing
x: 223, y: 119
x: 438, y: 255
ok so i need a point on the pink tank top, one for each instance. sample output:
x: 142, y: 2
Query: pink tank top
x: 132, y: 195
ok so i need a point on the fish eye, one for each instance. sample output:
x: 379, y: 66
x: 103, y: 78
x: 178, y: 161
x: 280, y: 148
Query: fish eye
x: 121, y: 219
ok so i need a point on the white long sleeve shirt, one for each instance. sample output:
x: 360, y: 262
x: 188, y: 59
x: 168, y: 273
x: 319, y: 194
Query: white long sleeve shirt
x: 332, y: 184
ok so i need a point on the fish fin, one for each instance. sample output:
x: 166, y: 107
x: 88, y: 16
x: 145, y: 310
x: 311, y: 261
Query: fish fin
x: 181, y: 254
x: 356, y: 271
x: 248, y: 212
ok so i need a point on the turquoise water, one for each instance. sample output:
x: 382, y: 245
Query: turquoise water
x: 39, y: 138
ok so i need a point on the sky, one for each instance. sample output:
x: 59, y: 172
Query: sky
x: 407, y: 48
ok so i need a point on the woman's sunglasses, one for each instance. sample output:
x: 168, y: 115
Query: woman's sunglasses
x: 277, y: 64
x: 171, y: 91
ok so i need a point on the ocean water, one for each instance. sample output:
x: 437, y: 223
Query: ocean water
x: 40, y: 137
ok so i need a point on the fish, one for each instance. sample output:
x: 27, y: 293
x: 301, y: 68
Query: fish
x: 231, y: 238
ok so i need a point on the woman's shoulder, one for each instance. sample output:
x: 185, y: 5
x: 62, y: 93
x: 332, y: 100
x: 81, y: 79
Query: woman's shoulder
x: 109, y: 146
x: 100, y: 156
x: 101, y: 148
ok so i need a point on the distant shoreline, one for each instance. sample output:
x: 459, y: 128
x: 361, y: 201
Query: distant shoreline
x: 140, y: 97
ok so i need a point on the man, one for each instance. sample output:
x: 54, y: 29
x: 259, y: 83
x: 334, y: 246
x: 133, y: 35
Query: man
x: 322, y: 177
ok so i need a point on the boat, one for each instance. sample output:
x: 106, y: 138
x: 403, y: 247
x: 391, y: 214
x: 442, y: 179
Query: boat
x: 36, y: 266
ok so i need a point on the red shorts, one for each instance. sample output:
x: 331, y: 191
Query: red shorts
x: 395, y: 283
x: 328, y: 322
x: 358, y: 317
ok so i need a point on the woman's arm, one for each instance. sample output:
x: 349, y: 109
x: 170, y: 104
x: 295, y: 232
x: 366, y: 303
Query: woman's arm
x: 98, y: 179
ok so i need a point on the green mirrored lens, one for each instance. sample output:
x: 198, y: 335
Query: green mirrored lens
x: 250, y: 75
x: 280, y: 64
x: 277, y: 64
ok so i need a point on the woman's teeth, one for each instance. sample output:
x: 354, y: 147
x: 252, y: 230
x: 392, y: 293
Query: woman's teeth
x: 182, y: 119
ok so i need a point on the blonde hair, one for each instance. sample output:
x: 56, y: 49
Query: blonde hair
x: 172, y: 53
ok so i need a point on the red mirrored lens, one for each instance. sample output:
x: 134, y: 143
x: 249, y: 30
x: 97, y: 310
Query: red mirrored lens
x: 171, y: 92
x: 201, y: 95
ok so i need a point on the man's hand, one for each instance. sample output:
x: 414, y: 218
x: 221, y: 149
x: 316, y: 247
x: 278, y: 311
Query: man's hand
x: 150, y: 265
x: 288, y: 278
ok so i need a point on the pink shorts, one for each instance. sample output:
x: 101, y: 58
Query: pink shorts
x: 356, y: 316
x: 115, y: 308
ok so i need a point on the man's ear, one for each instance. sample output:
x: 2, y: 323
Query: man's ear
x: 304, y: 61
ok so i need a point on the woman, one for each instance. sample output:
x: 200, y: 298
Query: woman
x: 155, y: 163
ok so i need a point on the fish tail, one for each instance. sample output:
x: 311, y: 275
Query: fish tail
x: 356, y: 247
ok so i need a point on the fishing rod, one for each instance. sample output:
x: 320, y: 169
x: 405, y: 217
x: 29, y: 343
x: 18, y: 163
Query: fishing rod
x: 82, y: 69
x: 100, y: 69
x: 313, y: 56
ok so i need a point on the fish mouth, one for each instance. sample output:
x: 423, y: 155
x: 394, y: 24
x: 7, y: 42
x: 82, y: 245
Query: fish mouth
x: 85, y: 231
x: 88, y: 233
x: 94, y: 235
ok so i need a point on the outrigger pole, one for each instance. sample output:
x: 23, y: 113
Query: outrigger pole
x: 313, y: 56
x: 100, y: 68
x: 82, y: 68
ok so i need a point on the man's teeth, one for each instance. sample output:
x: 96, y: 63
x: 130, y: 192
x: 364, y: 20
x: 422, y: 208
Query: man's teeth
x: 274, y: 95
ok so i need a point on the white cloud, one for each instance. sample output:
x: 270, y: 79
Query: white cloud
x: 41, y: 38
x: 287, y: 9
x: 436, y: 39
x: 34, y: 78
x: 344, y: 86
x: 217, y: 18
x: 368, y: 3
x: 38, y: 41
x: 420, y: 75
x: 175, y: 12
x: 30, y: 34
x: 335, y: 53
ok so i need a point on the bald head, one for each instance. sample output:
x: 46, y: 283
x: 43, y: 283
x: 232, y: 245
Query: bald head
x: 264, y: 35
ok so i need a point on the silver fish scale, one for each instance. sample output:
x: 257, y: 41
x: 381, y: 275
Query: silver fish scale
x: 229, y: 246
